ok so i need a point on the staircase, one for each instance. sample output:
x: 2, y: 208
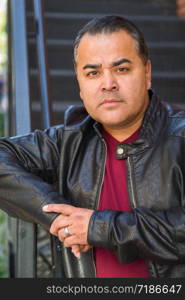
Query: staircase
x: 163, y: 31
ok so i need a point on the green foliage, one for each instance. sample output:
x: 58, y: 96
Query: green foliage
x: 3, y: 40
x: 3, y: 245
x: 1, y: 124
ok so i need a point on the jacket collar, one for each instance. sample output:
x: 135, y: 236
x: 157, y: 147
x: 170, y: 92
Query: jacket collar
x: 154, y: 120
x: 76, y: 118
x: 153, y: 124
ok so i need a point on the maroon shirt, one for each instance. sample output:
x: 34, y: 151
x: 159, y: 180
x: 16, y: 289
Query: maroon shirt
x: 114, y: 196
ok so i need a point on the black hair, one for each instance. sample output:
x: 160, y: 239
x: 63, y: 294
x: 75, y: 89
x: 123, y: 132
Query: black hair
x: 110, y: 24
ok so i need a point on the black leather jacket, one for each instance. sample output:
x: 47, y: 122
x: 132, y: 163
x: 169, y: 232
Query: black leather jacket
x: 65, y: 164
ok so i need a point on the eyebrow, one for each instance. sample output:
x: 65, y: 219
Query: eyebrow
x: 114, y: 64
x: 91, y: 66
x: 121, y: 61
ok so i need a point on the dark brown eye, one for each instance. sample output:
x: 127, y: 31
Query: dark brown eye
x: 92, y: 73
x: 122, y: 69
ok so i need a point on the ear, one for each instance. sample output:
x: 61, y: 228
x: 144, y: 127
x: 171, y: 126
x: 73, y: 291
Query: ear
x: 81, y: 98
x: 148, y: 74
x: 80, y: 93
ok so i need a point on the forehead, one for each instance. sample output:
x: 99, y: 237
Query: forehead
x: 118, y: 43
x: 180, y: 2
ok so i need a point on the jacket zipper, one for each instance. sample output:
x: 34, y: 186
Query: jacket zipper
x: 99, y: 193
x: 132, y: 198
x: 103, y: 175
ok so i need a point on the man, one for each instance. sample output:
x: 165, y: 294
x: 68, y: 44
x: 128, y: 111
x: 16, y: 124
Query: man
x: 118, y: 164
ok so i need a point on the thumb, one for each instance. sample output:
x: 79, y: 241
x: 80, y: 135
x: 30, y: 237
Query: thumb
x: 59, y: 208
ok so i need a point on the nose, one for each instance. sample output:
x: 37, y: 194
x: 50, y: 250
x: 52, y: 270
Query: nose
x: 109, y: 82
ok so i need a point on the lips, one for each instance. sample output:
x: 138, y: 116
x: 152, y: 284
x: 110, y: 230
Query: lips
x: 110, y: 101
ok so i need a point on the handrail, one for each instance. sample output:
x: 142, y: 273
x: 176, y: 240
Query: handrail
x: 43, y: 63
x: 23, y: 233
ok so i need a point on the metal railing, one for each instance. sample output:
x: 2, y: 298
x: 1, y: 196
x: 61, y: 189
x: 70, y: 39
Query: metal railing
x: 24, y: 234
x: 43, y: 63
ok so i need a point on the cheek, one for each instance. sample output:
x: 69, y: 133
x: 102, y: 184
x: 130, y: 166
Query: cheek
x: 88, y: 94
x: 87, y: 100
x: 129, y: 88
x: 138, y: 84
x: 85, y: 90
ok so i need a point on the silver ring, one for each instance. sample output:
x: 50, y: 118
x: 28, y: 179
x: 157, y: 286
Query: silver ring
x: 66, y: 231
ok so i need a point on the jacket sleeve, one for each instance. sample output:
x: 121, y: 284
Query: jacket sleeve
x: 29, y: 174
x: 142, y: 233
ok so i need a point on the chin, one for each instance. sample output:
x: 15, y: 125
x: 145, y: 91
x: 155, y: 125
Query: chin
x: 113, y: 122
x: 111, y: 125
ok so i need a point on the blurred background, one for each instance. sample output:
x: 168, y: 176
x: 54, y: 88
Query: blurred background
x: 37, y: 80
x: 3, y: 116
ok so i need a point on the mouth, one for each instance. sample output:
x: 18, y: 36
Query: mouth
x: 110, y: 102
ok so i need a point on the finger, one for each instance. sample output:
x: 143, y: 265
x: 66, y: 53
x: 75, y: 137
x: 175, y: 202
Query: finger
x: 75, y: 249
x: 60, y: 208
x: 62, y: 235
x: 85, y: 248
x: 72, y: 240
x: 58, y: 223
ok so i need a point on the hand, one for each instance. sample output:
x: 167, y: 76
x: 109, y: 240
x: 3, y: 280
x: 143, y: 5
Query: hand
x: 77, y: 221
x: 75, y: 249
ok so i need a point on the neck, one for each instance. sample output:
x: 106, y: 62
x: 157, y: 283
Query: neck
x: 121, y: 134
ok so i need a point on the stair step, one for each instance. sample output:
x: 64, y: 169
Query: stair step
x: 165, y: 56
x: 155, y: 28
x: 160, y: 7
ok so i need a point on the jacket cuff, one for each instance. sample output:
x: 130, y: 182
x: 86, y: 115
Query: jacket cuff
x: 45, y: 219
x: 99, y: 229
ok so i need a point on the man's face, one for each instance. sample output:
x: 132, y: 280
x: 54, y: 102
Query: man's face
x: 113, y: 79
x: 180, y: 8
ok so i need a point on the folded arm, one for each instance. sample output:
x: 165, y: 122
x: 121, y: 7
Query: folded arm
x: 154, y: 235
x: 28, y: 175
